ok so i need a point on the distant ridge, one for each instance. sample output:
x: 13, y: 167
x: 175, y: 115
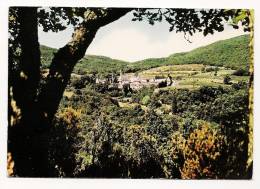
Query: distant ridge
x: 232, y: 53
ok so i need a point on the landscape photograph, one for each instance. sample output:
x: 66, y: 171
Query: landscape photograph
x: 130, y: 93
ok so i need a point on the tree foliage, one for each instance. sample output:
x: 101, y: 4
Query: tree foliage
x: 133, y: 142
x: 190, y: 21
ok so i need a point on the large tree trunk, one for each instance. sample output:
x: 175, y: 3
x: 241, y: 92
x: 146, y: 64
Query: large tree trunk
x: 28, y: 138
x: 23, y: 138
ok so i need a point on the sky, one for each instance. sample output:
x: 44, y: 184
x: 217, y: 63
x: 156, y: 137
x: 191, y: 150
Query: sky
x: 132, y: 41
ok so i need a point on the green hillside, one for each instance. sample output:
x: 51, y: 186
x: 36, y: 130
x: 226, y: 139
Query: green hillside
x: 100, y: 64
x: 232, y: 53
x: 89, y: 64
x: 46, y: 55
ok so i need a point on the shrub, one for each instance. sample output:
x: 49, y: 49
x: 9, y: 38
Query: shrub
x: 62, y: 140
x: 146, y: 100
x: 78, y: 83
x: 209, y: 69
x: 101, y: 87
x: 241, y: 72
x: 227, y: 80
x: 201, y: 151
x: 162, y: 84
x: 127, y: 89
x: 239, y: 85
x: 140, y: 94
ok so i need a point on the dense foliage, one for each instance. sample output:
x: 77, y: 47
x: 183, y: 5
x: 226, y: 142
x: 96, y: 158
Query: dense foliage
x: 167, y: 134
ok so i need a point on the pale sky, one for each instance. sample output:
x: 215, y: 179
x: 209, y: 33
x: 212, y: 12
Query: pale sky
x: 133, y: 41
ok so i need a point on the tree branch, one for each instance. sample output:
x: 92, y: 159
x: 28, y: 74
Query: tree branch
x: 66, y: 58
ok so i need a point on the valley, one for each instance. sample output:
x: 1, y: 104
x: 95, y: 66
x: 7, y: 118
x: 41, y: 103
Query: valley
x: 141, y: 119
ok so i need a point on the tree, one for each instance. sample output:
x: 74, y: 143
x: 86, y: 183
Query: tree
x: 227, y: 80
x: 33, y: 100
x: 27, y: 139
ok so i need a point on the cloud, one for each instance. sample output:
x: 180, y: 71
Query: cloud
x: 53, y: 39
x: 126, y: 43
x: 132, y: 44
x: 137, y: 40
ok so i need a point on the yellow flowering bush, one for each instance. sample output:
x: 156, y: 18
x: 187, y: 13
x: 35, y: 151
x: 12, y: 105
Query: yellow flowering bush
x: 201, y: 151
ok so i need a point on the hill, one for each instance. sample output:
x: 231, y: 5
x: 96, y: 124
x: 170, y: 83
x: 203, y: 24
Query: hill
x: 89, y: 64
x: 231, y: 53
x: 100, y: 64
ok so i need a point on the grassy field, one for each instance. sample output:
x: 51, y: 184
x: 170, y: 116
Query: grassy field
x: 193, y: 75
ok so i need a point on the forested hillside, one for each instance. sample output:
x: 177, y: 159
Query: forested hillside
x: 89, y: 64
x: 232, y: 53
